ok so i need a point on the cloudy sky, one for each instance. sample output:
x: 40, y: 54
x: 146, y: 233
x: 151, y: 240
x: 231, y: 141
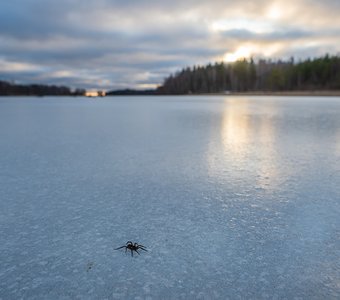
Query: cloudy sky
x: 111, y: 44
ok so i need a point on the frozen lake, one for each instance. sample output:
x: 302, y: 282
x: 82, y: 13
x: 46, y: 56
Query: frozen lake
x: 234, y: 197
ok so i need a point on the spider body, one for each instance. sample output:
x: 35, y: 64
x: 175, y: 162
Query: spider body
x: 132, y: 247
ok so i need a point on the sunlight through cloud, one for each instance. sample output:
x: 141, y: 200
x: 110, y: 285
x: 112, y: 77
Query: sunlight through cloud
x: 274, y: 12
x: 240, y: 53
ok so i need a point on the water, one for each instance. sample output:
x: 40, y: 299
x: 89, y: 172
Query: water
x: 235, y: 198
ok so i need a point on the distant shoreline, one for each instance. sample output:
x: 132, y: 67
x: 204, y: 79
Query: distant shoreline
x: 287, y: 93
x: 327, y: 93
x: 272, y: 93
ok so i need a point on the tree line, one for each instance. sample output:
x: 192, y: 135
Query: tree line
x: 244, y: 75
x: 131, y: 92
x: 12, y: 89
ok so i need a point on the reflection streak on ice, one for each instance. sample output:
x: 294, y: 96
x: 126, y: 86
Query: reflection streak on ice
x: 235, y: 130
x: 241, y: 132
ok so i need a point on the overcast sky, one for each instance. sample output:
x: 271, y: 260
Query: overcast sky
x: 111, y: 44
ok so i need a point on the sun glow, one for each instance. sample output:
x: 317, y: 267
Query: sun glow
x: 274, y: 12
x: 240, y: 53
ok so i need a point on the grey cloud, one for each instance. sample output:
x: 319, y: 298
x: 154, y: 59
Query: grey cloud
x: 244, y: 34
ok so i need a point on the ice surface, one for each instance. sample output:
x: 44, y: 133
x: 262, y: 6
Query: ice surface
x: 235, y: 198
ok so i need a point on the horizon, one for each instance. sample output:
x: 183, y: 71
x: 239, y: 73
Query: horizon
x: 110, y: 45
x: 96, y: 91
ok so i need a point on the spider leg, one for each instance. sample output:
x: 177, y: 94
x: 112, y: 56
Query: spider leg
x: 128, y: 242
x: 119, y: 247
x: 131, y: 252
x: 142, y: 247
x: 137, y: 251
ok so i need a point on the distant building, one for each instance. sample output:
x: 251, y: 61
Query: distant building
x: 95, y: 94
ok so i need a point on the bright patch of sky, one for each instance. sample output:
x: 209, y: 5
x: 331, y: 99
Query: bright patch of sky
x: 255, y: 26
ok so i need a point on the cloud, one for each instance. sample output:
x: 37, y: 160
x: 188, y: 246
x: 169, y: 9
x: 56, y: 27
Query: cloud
x: 115, y: 43
x: 279, y: 35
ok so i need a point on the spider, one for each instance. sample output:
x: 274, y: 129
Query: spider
x: 132, y: 247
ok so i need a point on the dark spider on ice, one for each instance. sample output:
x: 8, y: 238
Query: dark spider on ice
x: 132, y: 247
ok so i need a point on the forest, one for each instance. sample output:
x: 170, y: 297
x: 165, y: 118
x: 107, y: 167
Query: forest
x: 130, y: 92
x: 12, y: 89
x: 246, y: 75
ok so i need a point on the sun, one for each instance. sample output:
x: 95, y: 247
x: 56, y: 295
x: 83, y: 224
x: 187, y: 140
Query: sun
x: 274, y: 12
x: 240, y: 53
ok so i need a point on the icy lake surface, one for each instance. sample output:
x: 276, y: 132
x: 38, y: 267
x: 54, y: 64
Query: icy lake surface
x: 234, y: 197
